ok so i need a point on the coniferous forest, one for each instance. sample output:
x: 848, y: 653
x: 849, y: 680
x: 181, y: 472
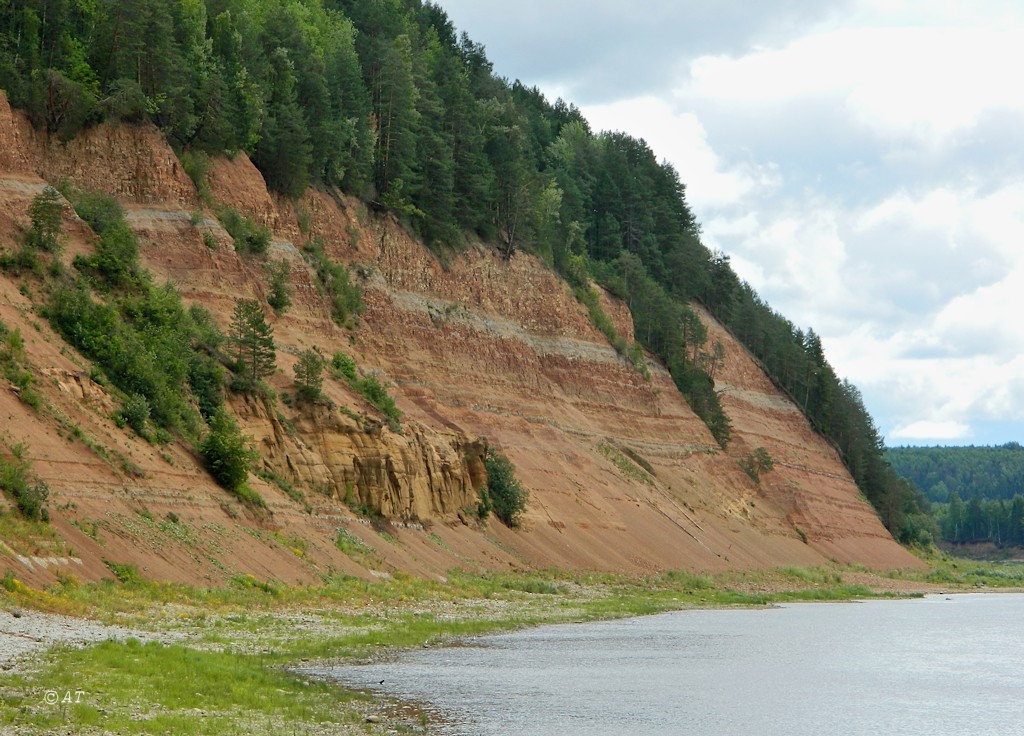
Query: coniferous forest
x: 386, y: 101
x: 976, y: 493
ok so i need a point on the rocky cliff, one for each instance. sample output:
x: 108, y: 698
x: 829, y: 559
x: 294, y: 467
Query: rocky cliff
x: 477, y: 350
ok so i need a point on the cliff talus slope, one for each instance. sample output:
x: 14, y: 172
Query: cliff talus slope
x: 478, y: 351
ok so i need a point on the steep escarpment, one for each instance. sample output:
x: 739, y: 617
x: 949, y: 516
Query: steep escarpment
x: 477, y: 350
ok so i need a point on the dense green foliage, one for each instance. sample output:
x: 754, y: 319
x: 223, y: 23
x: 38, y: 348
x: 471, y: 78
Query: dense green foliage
x: 135, y: 414
x: 309, y: 375
x: 977, y: 493
x: 140, y: 343
x: 253, y: 342
x: 166, y: 359
x: 229, y: 456
x: 971, y: 472
x: 998, y: 521
x: 369, y: 387
x: 335, y: 283
x: 280, y: 297
x: 504, y: 495
x: 249, y: 237
x: 45, y: 214
x: 343, y: 366
x: 384, y: 99
x: 115, y: 264
x: 147, y: 343
x: 14, y: 366
x: 16, y: 480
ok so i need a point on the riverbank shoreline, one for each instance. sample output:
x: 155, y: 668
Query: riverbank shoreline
x: 261, y: 629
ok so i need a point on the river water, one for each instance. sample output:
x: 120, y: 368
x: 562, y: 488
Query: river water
x: 937, y: 665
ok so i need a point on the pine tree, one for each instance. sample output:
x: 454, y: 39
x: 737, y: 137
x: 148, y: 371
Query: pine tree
x: 45, y: 213
x: 395, y: 106
x: 284, y: 153
x: 254, y: 344
x: 309, y: 375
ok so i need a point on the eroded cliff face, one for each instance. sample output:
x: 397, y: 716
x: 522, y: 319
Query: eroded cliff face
x: 412, y: 476
x: 478, y: 351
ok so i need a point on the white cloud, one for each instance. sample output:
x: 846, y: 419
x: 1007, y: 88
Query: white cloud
x: 939, y: 209
x: 988, y: 317
x: 921, y: 83
x: 926, y: 430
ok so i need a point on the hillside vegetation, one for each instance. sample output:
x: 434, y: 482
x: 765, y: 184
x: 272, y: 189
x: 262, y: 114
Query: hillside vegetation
x: 977, y: 493
x: 385, y: 101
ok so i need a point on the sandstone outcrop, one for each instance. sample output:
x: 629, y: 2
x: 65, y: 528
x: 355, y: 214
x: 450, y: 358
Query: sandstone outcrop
x: 477, y: 350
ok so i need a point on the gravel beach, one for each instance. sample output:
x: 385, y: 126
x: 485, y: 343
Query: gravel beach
x: 25, y: 633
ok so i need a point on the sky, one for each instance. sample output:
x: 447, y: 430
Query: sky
x: 860, y: 161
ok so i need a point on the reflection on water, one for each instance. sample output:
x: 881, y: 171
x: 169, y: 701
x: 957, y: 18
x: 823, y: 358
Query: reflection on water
x: 939, y: 665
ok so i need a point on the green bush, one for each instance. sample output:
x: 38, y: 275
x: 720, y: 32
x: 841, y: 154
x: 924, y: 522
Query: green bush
x: 374, y: 392
x: 248, y: 236
x: 116, y: 260
x: 206, y: 379
x: 280, y: 297
x: 24, y: 259
x: 143, y: 343
x: 345, y: 297
x: 309, y: 378
x: 45, y: 213
x: 100, y: 211
x: 342, y: 366
x: 8, y: 582
x: 483, y: 503
x: 127, y: 574
x: 12, y: 359
x: 197, y: 167
x: 228, y: 455
x: 506, y: 496
x: 135, y: 413
x: 370, y: 388
x: 149, y: 346
x: 29, y: 494
x: 757, y: 463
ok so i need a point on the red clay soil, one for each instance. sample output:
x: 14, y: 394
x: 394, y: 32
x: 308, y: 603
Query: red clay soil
x: 476, y: 351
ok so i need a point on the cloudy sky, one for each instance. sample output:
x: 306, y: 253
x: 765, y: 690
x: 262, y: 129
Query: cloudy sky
x: 861, y: 161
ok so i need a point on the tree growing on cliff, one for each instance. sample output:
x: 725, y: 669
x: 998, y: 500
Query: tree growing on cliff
x: 280, y: 297
x: 757, y: 463
x: 309, y: 375
x: 228, y: 455
x: 45, y: 213
x: 253, y: 339
x: 505, y: 496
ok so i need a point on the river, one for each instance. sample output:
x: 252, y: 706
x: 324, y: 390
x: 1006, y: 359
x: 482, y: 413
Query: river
x: 937, y: 665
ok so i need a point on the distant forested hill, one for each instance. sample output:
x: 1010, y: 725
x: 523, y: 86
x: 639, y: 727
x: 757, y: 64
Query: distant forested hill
x: 977, y: 492
x: 385, y: 100
x: 985, y: 473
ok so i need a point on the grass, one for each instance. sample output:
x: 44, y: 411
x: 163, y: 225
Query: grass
x: 629, y: 465
x: 955, y: 571
x: 135, y: 688
x: 231, y: 678
x: 28, y: 537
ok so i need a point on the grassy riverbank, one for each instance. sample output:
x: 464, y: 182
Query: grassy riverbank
x: 217, y: 662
